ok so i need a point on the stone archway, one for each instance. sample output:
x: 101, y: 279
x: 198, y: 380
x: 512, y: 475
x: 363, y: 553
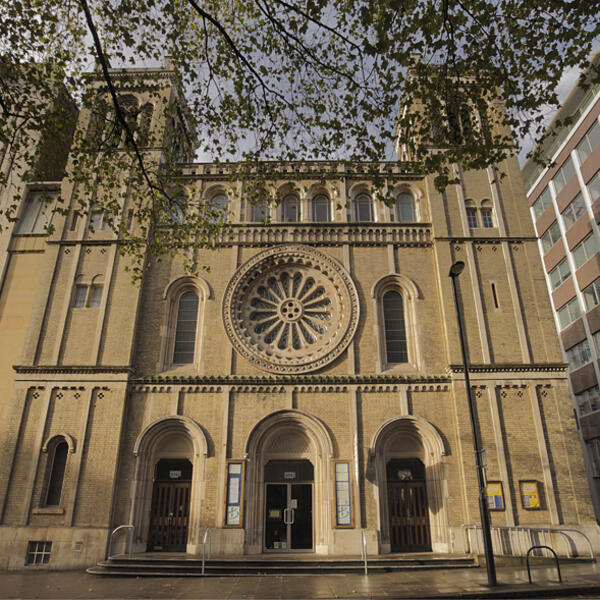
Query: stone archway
x: 170, y: 437
x: 412, y: 438
x: 288, y: 435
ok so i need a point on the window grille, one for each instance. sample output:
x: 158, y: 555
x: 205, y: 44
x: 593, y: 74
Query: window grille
x: 38, y: 553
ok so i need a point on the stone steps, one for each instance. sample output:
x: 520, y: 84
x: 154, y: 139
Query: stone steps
x: 189, y: 566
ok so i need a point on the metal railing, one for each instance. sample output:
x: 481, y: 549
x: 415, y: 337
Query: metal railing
x: 204, y: 540
x: 516, y: 541
x: 555, y: 560
x: 129, y: 542
x: 364, y: 549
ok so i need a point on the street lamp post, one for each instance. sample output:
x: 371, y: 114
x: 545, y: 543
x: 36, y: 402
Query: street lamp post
x: 455, y: 270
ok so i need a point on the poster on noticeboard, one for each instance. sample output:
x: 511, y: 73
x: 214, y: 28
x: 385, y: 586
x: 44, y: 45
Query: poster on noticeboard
x: 530, y: 495
x: 495, y: 495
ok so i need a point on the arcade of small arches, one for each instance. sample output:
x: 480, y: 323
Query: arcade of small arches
x: 318, y: 205
x: 291, y: 492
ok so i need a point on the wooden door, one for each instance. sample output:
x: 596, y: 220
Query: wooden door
x: 169, y: 516
x: 409, y: 516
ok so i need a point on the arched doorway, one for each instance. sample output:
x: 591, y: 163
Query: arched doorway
x: 408, y: 454
x: 169, y: 476
x: 289, y: 455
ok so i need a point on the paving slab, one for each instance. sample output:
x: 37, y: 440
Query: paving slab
x: 579, y: 580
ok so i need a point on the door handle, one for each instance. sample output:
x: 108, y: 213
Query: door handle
x: 292, y: 515
x: 288, y: 517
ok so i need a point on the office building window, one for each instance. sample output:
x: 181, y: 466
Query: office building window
x: 573, y: 211
x: 579, y: 355
x: 564, y: 175
x: 560, y: 273
x: 542, y: 203
x: 585, y: 250
x: 588, y: 400
x: 591, y: 294
x: 550, y: 237
x: 590, y: 140
x: 594, y: 187
x: 568, y: 313
x: 593, y: 447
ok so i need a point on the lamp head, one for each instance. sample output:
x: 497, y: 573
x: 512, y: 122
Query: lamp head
x: 456, y: 269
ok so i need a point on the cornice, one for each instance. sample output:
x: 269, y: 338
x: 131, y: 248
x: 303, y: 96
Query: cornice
x: 286, y: 380
x: 73, y: 369
x: 511, y: 368
x: 485, y: 240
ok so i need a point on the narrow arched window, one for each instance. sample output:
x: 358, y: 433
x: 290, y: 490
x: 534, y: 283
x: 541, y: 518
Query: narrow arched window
x: 320, y: 208
x: 364, y: 207
x: 57, y: 474
x: 144, y: 125
x: 395, y: 329
x: 185, y: 332
x: 218, y: 209
x: 291, y: 209
x: 405, y: 208
x: 259, y: 212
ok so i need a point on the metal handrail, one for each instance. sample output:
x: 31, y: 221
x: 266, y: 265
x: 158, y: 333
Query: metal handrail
x: 555, y: 558
x: 129, y: 539
x: 364, y: 548
x: 563, y: 531
x: 206, y: 537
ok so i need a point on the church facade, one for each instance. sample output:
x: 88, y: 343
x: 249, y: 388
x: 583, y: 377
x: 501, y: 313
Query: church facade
x: 306, y: 388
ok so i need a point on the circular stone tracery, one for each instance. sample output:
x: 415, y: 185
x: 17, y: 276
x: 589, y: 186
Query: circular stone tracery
x: 290, y: 309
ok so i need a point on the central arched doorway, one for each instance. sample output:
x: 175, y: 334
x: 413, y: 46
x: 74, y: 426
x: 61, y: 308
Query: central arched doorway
x: 289, y: 499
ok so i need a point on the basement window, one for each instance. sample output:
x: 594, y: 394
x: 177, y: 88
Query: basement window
x: 38, y: 553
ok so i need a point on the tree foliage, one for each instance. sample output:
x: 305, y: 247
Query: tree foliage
x: 441, y: 81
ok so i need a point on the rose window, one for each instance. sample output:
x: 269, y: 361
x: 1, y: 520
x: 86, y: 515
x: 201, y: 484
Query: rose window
x: 290, y: 309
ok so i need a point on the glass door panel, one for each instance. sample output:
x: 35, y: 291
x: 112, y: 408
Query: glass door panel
x: 276, y: 529
x: 301, y: 516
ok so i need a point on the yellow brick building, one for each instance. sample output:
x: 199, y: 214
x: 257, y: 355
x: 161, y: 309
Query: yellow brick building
x: 304, y: 389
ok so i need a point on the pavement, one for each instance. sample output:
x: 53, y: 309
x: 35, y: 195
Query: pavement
x: 580, y: 580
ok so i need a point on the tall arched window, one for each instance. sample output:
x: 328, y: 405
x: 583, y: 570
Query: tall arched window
x: 58, y: 461
x: 405, y: 208
x: 321, y: 208
x: 363, y: 207
x: 259, y: 212
x: 218, y: 209
x: 291, y: 209
x: 394, y: 326
x: 185, y: 332
x: 144, y: 124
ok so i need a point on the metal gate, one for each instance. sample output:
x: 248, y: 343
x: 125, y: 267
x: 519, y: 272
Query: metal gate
x: 409, y: 517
